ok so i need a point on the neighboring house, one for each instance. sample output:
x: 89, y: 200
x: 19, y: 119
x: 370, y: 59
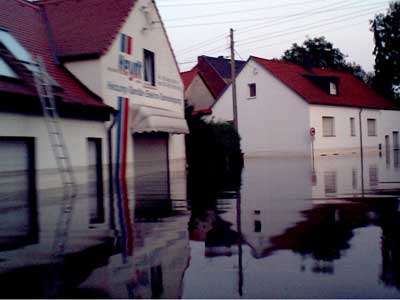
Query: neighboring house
x: 279, y: 102
x: 206, y: 81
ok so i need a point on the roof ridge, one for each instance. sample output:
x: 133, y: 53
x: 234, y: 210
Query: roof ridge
x: 299, y: 65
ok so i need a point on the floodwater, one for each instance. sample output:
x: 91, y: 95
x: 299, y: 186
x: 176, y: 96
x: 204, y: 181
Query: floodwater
x: 283, y: 228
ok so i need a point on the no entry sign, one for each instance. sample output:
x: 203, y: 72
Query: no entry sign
x: 312, y: 131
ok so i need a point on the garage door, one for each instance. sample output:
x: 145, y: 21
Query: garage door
x: 17, y: 198
x: 151, y: 166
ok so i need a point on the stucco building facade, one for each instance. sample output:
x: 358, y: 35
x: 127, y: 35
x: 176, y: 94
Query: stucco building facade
x: 278, y: 104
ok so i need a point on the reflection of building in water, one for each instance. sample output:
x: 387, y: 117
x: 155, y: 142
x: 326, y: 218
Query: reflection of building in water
x: 156, y: 267
x: 340, y: 176
x: 272, y: 197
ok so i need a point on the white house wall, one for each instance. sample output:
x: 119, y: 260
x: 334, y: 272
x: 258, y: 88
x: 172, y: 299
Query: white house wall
x: 343, y: 142
x: 145, y: 35
x: 75, y: 134
x: 88, y: 72
x: 275, y: 123
x: 111, y: 82
x: 198, y: 94
x: 390, y: 124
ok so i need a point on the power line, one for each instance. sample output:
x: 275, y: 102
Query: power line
x: 251, y: 28
x: 240, y: 11
x: 307, y: 26
x: 311, y: 26
x: 205, y: 3
x: 287, y: 19
x: 317, y: 33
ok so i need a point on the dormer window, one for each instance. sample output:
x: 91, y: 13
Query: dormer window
x: 5, y: 70
x: 15, y: 48
x: 333, y: 89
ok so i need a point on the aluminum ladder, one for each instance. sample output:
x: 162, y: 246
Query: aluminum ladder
x: 44, y: 88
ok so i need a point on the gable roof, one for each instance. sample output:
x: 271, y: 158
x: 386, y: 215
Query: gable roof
x: 24, y: 22
x: 223, y: 66
x: 215, y: 72
x: 85, y: 28
x: 351, y: 91
x: 188, y: 76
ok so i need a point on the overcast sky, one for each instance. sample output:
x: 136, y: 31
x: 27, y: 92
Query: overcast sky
x: 266, y: 28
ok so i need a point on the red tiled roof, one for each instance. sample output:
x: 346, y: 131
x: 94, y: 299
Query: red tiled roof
x: 188, y: 76
x: 215, y: 72
x: 352, y: 91
x: 212, y: 78
x: 24, y: 21
x: 83, y: 28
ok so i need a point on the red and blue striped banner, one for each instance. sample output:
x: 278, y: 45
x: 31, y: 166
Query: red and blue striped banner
x: 126, y: 44
x: 120, y: 177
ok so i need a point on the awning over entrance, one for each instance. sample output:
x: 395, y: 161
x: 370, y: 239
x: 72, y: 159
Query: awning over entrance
x: 152, y: 119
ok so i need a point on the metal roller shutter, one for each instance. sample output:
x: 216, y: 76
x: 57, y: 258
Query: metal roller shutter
x: 151, y: 166
x: 17, y: 212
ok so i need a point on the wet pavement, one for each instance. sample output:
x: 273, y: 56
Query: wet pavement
x: 283, y: 228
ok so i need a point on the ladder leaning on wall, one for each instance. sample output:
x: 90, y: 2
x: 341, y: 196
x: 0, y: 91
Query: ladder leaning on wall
x: 44, y: 88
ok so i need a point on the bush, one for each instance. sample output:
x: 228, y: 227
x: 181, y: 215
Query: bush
x: 213, y: 155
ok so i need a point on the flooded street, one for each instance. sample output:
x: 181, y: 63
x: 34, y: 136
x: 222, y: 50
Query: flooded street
x: 294, y: 229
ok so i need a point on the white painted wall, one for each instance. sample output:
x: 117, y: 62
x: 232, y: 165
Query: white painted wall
x: 390, y: 123
x: 88, y: 72
x: 343, y: 142
x: 274, y: 123
x: 198, y: 94
x: 75, y: 133
x: 110, y: 83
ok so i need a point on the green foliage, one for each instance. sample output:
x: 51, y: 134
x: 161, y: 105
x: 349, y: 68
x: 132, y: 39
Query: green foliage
x: 320, y: 53
x: 386, y: 29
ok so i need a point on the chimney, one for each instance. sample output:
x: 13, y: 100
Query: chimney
x: 307, y: 62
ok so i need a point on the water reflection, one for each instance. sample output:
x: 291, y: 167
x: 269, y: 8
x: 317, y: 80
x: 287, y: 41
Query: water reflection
x: 298, y: 227
x: 276, y: 229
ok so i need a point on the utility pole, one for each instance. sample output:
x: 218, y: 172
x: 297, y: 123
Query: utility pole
x: 233, y: 76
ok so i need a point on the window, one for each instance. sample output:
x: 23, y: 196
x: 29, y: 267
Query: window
x: 371, y: 123
x: 352, y: 127
x: 332, y: 88
x: 328, y: 126
x: 252, y: 90
x: 5, y: 70
x: 149, y: 75
x: 257, y: 226
x: 330, y: 182
x: 15, y: 47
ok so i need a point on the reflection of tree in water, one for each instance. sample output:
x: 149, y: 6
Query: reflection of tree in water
x: 390, y: 274
x: 325, y: 234
x: 215, y: 166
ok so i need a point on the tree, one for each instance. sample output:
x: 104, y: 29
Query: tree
x: 320, y: 53
x: 386, y: 29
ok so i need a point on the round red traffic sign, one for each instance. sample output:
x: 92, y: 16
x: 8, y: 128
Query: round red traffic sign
x: 312, y: 131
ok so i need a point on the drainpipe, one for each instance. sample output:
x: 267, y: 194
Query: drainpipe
x: 361, y: 153
x: 110, y: 171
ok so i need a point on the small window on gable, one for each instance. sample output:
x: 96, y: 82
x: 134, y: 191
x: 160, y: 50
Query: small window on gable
x: 5, y: 70
x: 149, y: 68
x: 333, y: 88
x: 252, y: 90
